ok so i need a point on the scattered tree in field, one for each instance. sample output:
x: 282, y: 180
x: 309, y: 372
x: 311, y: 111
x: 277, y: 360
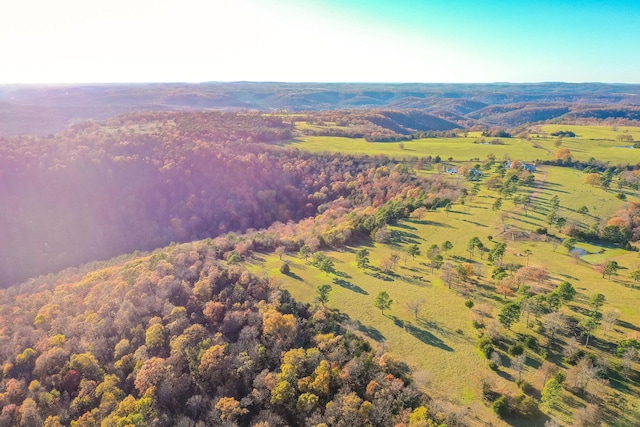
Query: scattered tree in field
x: 593, y: 179
x: 583, y: 210
x: 554, y: 323
x: 473, y: 244
x: 395, y: 258
x: 591, y: 415
x: 580, y: 375
x: 447, y: 274
x: 285, y: 268
x: 565, y: 292
x: 551, y: 393
x: 610, y: 317
x: 563, y: 154
x: 323, y: 293
x: 628, y: 357
x: 509, y: 314
x: 326, y: 266
x: 415, y: 306
x: 447, y: 246
x: 436, y: 262
x: 635, y: 276
x: 362, y: 258
x: 569, y: 243
x: 386, y: 265
x: 497, y: 205
x: 464, y: 271
x: 280, y: 250
x: 413, y: 250
x: 383, y: 301
x: 596, y: 301
x: 305, y: 252
x: 588, y: 325
x: 608, y: 269
x: 518, y: 364
x: 506, y: 287
x: 497, y: 252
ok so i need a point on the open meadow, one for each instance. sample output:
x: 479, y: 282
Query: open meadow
x: 597, y: 142
x: 438, y: 340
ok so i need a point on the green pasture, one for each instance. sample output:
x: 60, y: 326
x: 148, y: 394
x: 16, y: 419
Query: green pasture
x: 460, y: 149
x: 597, y: 142
x: 595, y: 132
x: 439, y: 346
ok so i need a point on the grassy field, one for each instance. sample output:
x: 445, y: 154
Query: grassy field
x: 599, y: 142
x: 439, y: 345
x: 595, y: 132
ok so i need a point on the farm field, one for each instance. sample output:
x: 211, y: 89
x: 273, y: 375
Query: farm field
x: 441, y: 342
x: 597, y: 142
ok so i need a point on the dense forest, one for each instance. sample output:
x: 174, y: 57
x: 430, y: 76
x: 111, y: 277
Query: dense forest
x: 179, y: 338
x: 143, y: 180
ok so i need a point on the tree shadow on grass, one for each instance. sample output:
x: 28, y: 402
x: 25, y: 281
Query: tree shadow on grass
x: 617, y: 382
x: 507, y: 376
x: 349, y: 323
x: 475, y: 223
x: 404, y: 225
x: 341, y: 274
x: 421, y: 334
x: 350, y: 286
x: 399, y: 237
x: 432, y: 223
x: 294, y: 276
x: 628, y: 325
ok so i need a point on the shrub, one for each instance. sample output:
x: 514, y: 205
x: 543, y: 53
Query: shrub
x: 500, y: 406
x: 525, y: 386
x: 486, y: 346
x: 516, y: 349
x: 285, y: 269
x: 468, y: 303
x: 530, y: 341
x: 525, y: 406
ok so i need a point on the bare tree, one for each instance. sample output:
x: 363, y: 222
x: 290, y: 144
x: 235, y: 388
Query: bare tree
x: 518, y: 364
x: 628, y: 358
x: 579, y: 376
x: 609, y: 319
x: 448, y: 274
x: 555, y: 322
x: 415, y: 306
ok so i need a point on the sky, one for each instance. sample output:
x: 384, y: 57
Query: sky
x: 457, y: 41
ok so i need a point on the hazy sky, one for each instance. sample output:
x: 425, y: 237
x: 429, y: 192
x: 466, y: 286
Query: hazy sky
x: 81, y: 41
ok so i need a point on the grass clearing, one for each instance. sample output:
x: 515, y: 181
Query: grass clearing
x: 441, y: 343
x: 599, y: 142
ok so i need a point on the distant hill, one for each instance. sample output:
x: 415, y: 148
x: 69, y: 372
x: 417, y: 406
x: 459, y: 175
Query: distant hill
x: 47, y: 109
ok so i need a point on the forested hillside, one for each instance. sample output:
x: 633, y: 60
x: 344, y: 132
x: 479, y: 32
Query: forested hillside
x: 141, y: 181
x: 179, y: 338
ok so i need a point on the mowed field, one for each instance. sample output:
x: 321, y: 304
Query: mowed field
x: 599, y: 142
x: 440, y: 344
